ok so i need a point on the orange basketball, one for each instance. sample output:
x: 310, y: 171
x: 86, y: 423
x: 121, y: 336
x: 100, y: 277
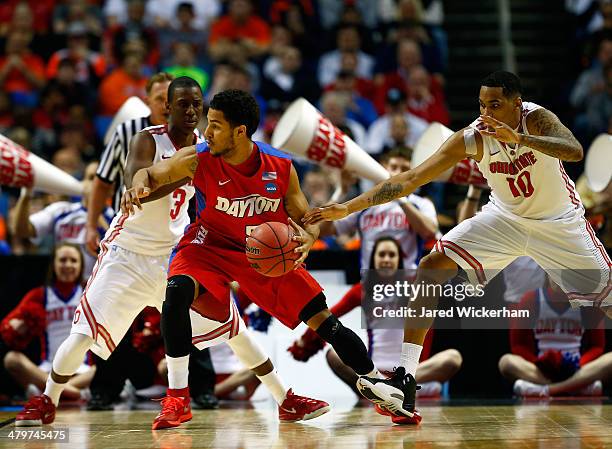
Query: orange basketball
x: 269, y: 249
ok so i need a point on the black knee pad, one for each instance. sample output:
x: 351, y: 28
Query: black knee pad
x: 175, y: 320
x: 316, y: 305
x: 347, y: 344
x: 180, y: 291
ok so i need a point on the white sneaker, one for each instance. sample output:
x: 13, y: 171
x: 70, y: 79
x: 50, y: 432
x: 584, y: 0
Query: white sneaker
x: 525, y: 388
x: 429, y: 390
x: 594, y: 389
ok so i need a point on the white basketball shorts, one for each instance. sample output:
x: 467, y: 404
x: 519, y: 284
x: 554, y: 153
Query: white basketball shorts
x: 567, y: 250
x: 122, y: 284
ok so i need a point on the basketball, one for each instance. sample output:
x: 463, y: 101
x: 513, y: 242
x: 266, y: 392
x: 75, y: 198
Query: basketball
x: 269, y: 249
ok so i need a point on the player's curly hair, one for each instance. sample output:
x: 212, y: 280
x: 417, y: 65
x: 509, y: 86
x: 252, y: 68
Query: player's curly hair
x: 508, y: 81
x: 239, y: 108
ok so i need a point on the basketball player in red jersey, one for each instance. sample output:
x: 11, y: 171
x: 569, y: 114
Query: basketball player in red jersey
x: 239, y: 184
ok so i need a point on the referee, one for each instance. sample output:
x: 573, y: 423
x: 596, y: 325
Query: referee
x: 126, y: 362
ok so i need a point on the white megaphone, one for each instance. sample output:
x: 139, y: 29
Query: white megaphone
x: 132, y: 108
x: 598, y: 164
x: 20, y: 168
x: 304, y: 131
x: 464, y: 172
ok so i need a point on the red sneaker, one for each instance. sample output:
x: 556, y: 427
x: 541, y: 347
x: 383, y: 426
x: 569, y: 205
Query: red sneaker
x: 37, y: 411
x: 300, y: 408
x: 397, y: 419
x: 175, y: 410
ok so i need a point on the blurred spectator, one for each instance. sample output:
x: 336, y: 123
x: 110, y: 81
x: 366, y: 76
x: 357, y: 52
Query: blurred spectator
x: 185, y: 65
x: 331, y: 12
x: 280, y: 39
x: 408, y: 56
x: 63, y: 220
x: 118, y: 39
x: 163, y: 13
x: 334, y: 106
x: 49, y: 116
x: 22, y: 73
x: 347, y: 40
x: 80, y: 11
x: 364, y: 86
x: 316, y: 187
x: 422, y: 101
x: 69, y: 160
x: 299, y: 18
x: 379, y: 133
x: 599, y: 107
x: 90, y: 66
x: 6, y: 112
x: 74, y: 135
x: 184, y: 31
x: 221, y: 79
x: 291, y: 80
x: 122, y: 83
x: 74, y: 91
x: 239, y: 28
x: 398, y: 132
x: 591, y: 81
x: 359, y: 109
x: 34, y: 14
x: 46, y: 313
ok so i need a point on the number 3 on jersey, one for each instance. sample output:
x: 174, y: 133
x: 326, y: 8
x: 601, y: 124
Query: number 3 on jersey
x: 178, y: 196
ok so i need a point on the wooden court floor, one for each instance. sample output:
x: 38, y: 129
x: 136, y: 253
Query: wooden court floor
x: 525, y: 426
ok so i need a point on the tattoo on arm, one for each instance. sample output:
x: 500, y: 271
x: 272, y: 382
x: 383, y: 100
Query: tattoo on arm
x: 194, y: 165
x: 386, y: 193
x: 552, y: 137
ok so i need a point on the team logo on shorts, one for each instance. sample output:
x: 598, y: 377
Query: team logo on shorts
x: 200, y: 236
x: 271, y: 187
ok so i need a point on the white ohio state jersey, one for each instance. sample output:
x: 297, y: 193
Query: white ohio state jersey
x: 524, y: 182
x: 158, y: 227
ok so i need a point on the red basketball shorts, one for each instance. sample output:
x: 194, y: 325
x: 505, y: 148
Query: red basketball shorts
x: 283, y: 297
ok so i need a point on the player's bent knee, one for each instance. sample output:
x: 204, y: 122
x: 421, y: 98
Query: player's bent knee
x: 453, y: 360
x: 13, y: 361
x: 506, y: 364
x: 180, y: 292
x: 316, y: 308
x: 437, y: 267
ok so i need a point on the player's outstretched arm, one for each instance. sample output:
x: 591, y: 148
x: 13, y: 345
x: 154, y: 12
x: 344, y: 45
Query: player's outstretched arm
x: 546, y: 134
x: 451, y: 152
x: 160, y: 179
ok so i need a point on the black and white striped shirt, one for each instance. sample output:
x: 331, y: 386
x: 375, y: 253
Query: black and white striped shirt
x: 114, y: 156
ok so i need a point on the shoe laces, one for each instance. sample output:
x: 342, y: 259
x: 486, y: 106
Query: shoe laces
x: 300, y: 399
x: 170, y: 404
x: 400, y: 374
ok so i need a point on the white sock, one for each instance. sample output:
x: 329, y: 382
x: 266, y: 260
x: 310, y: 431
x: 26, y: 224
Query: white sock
x: 54, y: 390
x: 67, y: 360
x: 410, y: 357
x: 178, y: 372
x: 274, y: 384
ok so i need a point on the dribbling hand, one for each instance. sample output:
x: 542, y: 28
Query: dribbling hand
x: 328, y: 213
x: 306, y: 240
x: 131, y: 197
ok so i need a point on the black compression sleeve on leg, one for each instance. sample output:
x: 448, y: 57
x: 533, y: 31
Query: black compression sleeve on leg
x: 175, y: 321
x: 348, y: 345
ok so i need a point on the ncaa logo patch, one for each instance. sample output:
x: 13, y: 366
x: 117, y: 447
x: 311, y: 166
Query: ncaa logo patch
x: 271, y: 187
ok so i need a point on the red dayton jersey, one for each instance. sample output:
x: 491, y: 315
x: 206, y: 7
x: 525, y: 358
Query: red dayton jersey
x: 230, y: 204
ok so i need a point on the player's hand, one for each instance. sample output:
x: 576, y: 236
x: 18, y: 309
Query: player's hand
x: 92, y: 240
x: 305, y: 238
x: 18, y: 325
x: 131, y: 197
x: 328, y: 213
x: 498, y: 130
